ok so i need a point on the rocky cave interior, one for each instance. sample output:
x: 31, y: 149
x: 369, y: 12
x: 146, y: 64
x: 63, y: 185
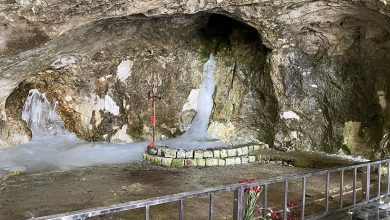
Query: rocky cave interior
x: 310, y: 79
x: 315, y: 83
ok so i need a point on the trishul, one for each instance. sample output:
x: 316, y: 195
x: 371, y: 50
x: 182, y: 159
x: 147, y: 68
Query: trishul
x: 154, y: 81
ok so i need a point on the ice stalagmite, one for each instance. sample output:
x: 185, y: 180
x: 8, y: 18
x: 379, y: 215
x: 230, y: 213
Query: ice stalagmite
x: 40, y: 116
x: 199, y: 125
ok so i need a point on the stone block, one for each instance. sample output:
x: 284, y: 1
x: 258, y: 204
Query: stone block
x: 223, y: 154
x: 190, y: 162
x: 251, y: 149
x: 256, y: 147
x: 217, y: 153
x: 232, y: 152
x: 198, y: 154
x: 159, y: 151
x: 177, y: 163
x: 221, y: 162
x: 200, y: 162
x: 244, y: 159
x: 166, y: 162
x: 207, y: 154
x: 230, y: 161
x: 252, y: 159
x: 210, y: 162
x: 245, y: 151
x: 158, y: 161
x: 152, y: 150
x: 239, y: 151
x: 145, y: 156
x: 181, y: 154
x: 190, y: 154
x: 170, y: 153
x: 238, y: 160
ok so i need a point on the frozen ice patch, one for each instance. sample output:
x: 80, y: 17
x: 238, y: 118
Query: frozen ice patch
x: 108, y: 104
x: 122, y: 136
x: 40, y: 116
x: 290, y: 115
x: 192, y: 101
x: 124, y: 70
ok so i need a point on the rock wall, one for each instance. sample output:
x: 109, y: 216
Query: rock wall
x: 298, y: 75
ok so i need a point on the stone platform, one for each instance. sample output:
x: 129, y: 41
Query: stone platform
x: 234, y: 155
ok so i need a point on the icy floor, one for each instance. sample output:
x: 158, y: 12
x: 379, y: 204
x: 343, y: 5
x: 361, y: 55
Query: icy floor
x: 66, y: 152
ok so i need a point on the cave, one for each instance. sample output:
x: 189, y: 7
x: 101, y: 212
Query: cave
x: 243, y: 99
x: 296, y: 85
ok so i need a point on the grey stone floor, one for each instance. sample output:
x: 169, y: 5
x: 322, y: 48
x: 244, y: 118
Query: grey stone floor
x: 371, y: 211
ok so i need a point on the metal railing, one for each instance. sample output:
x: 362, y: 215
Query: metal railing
x: 239, y: 194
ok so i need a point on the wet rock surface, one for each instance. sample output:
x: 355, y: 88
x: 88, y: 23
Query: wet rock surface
x: 297, y: 75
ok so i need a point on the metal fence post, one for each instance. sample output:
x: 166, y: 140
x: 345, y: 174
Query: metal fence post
x: 354, y: 185
x: 388, y: 177
x: 285, y: 199
x: 379, y: 179
x: 238, y: 209
x: 211, y: 207
x: 303, y: 197
x: 327, y: 192
x: 147, y: 213
x: 265, y: 200
x: 341, y: 188
x: 181, y: 209
x: 368, y: 182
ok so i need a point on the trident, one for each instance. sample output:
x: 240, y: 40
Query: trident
x: 154, y: 81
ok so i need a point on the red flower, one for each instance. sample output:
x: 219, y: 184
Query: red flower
x: 257, y: 189
x: 293, y: 204
x: 275, y: 215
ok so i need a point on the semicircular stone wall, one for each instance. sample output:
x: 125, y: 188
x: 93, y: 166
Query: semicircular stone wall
x: 235, y: 155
